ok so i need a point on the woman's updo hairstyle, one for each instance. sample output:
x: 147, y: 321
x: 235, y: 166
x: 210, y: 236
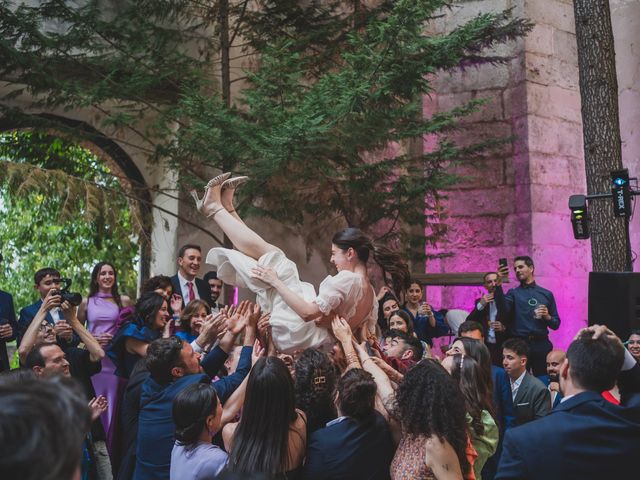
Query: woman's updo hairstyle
x: 357, y: 394
x: 389, y: 261
x: 190, y: 410
x: 314, y: 384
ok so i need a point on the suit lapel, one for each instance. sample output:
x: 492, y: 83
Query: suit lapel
x: 522, y: 390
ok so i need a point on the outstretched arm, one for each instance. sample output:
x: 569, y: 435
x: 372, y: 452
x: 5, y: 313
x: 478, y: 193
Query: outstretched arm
x: 307, y: 310
x: 31, y: 335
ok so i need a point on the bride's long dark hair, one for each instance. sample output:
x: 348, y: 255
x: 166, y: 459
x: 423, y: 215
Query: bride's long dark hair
x: 390, y: 262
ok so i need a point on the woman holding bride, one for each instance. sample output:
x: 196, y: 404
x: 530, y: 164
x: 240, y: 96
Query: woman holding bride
x: 298, y: 314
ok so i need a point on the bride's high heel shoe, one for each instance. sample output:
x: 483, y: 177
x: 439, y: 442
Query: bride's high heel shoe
x: 234, y: 183
x: 212, y: 183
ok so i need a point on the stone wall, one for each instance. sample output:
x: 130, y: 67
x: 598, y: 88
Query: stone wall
x: 516, y: 201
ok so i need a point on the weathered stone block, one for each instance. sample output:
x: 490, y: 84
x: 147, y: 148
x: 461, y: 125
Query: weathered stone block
x: 551, y: 71
x: 554, y: 136
x: 548, y: 170
x: 540, y: 39
x: 494, y: 201
x: 517, y: 230
x: 551, y: 12
x: 554, y: 102
x: 565, y: 46
x: 467, y: 232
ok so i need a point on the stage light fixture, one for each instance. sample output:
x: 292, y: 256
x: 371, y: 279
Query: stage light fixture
x: 621, y: 193
x: 579, y: 216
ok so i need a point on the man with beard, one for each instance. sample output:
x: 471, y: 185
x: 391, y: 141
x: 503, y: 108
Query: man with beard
x: 555, y: 358
x: 528, y: 311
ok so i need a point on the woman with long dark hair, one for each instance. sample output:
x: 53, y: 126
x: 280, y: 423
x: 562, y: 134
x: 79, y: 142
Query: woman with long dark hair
x: 100, y: 310
x: 298, y: 315
x: 431, y: 411
x: 197, y: 415
x: 479, y: 404
x: 270, y: 437
x: 315, y: 381
x: 130, y: 343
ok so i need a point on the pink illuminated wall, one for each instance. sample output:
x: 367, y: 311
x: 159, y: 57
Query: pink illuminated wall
x: 515, y: 201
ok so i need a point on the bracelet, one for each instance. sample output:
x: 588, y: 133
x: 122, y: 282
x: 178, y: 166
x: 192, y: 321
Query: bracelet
x: 352, y: 358
x: 368, y: 358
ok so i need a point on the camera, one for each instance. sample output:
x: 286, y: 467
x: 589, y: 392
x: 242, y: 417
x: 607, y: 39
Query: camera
x: 73, y: 298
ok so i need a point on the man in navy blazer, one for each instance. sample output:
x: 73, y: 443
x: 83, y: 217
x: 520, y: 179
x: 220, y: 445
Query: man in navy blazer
x: 47, y: 279
x: 8, y: 327
x: 357, y: 444
x: 585, y: 437
x: 185, y: 282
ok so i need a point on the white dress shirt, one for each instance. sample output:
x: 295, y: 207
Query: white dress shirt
x: 185, y: 288
x: 515, y: 385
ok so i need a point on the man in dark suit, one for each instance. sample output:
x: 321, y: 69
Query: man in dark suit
x: 215, y: 290
x: 358, y: 443
x: 555, y: 358
x: 531, y: 399
x: 185, y: 282
x: 586, y: 436
x: 486, y: 313
x: 47, y: 279
x: 8, y: 327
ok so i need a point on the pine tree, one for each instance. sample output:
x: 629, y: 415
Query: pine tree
x: 331, y: 96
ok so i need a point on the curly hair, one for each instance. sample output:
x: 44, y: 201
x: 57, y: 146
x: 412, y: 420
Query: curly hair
x: 428, y: 402
x: 315, y: 381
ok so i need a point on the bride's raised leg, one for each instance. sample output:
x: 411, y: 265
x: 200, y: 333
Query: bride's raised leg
x: 228, y: 191
x: 243, y: 238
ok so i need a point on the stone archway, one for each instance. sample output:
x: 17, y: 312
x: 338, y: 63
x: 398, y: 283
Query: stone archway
x: 118, y: 161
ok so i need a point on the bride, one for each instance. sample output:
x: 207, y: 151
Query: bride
x: 298, y: 314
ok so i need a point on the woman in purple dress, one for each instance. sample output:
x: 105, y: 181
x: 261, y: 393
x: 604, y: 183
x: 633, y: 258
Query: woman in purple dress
x: 100, y: 311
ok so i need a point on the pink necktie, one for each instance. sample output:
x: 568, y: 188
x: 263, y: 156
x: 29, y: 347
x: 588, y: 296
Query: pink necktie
x: 192, y: 294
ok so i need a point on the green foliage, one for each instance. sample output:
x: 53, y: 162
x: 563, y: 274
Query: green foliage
x: 46, y: 224
x: 328, y: 122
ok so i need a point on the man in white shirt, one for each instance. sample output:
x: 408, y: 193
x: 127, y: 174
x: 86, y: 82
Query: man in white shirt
x: 185, y: 282
x: 531, y: 399
x: 485, y: 312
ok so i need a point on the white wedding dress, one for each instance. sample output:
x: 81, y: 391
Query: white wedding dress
x: 340, y: 294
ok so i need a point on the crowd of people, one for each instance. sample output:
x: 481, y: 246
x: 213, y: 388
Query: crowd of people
x: 340, y: 384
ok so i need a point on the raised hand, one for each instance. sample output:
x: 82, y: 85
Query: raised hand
x: 237, y: 321
x: 176, y: 304
x: 50, y: 301
x: 98, y: 405
x: 211, y: 328
x: 258, y: 351
x: 341, y: 329
x: 254, y: 315
x: 104, y: 339
x: 63, y: 330
x: 382, y: 292
x: 486, y: 298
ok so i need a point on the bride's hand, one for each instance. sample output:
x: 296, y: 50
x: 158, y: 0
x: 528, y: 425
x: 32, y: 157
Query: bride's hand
x: 264, y: 274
